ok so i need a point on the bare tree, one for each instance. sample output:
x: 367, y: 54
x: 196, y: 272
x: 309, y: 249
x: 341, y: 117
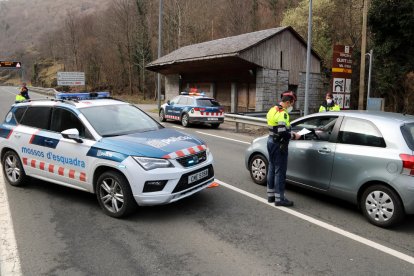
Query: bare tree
x: 72, y: 31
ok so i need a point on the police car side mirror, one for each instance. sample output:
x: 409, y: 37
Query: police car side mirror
x: 168, y: 102
x: 73, y: 134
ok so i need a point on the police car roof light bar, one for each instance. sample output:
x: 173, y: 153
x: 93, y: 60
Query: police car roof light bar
x: 83, y: 96
x: 193, y: 93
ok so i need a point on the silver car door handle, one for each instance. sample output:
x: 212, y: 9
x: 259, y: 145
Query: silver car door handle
x: 324, y: 150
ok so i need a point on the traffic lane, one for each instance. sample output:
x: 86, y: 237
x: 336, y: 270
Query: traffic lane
x: 246, y: 170
x: 8, y: 96
x: 229, y: 167
x: 215, y: 232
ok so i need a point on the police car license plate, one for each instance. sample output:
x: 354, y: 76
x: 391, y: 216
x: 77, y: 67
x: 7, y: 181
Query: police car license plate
x: 212, y: 119
x: 197, y: 176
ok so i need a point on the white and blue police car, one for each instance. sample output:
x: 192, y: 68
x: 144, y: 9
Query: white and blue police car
x: 193, y: 107
x: 91, y: 142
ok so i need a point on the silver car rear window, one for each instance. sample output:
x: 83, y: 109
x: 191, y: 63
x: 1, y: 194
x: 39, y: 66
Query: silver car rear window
x: 407, y: 131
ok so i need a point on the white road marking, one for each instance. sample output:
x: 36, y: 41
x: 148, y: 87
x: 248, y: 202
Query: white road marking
x: 9, y: 256
x: 178, y: 127
x: 327, y: 226
x: 230, y: 139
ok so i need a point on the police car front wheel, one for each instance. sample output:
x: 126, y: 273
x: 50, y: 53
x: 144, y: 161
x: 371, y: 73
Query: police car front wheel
x: 114, y: 194
x: 13, y: 169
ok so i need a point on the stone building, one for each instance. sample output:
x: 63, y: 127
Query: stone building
x: 246, y: 72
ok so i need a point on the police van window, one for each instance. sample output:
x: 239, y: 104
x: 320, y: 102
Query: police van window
x: 63, y: 119
x: 37, y: 116
x: 183, y: 101
x: 361, y: 132
x: 121, y: 119
x: 207, y: 102
x: 191, y: 101
x: 175, y: 100
x: 19, y: 112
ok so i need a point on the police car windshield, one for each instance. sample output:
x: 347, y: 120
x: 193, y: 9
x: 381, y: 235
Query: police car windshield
x: 207, y: 102
x: 116, y: 120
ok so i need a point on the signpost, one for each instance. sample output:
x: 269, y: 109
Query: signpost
x: 70, y: 78
x: 341, y: 75
x: 11, y: 64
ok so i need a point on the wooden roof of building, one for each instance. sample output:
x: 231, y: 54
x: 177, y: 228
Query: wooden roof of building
x: 228, y: 47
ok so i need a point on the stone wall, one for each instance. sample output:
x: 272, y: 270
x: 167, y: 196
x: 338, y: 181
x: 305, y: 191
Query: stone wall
x: 270, y: 83
x: 172, y: 86
x: 318, y: 87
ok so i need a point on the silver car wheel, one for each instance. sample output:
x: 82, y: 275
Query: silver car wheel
x: 259, y: 169
x: 379, y: 206
x: 111, y: 195
x: 12, y: 168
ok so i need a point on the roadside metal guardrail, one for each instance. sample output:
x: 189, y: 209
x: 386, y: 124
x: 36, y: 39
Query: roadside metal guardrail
x: 42, y: 90
x: 243, y: 119
x: 253, y: 118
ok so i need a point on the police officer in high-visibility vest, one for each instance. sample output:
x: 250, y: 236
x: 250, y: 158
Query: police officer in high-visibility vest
x: 277, y: 146
x: 20, y: 98
x: 329, y: 104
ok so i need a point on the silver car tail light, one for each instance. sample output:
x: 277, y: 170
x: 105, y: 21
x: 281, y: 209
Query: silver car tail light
x: 408, y: 164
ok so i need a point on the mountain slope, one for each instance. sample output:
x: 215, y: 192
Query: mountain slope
x: 22, y: 22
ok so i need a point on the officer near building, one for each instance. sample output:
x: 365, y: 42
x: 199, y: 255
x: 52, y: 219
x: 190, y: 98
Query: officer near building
x: 277, y: 146
x: 329, y: 104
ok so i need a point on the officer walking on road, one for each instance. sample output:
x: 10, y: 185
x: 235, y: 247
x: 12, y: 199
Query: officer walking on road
x: 277, y: 146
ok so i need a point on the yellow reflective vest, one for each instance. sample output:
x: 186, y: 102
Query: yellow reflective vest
x: 20, y: 98
x: 277, y: 116
x: 329, y: 108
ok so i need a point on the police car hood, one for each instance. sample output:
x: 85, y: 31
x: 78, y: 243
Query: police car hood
x: 156, y: 144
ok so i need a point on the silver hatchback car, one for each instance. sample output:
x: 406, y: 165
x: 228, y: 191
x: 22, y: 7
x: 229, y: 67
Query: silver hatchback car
x: 363, y: 157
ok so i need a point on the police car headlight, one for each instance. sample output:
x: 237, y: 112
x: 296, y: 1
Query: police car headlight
x: 152, y: 163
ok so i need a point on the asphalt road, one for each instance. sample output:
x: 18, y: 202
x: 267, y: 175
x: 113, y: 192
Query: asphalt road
x: 218, y: 231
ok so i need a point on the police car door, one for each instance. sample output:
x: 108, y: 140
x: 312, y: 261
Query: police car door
x: 70, y: 156
x: 31, y: 140
x: 169, y: 109
x: 179, y: 107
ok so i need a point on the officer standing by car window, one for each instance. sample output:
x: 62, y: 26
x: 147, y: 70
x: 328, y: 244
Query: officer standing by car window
x: 277, y: 146
x: 329, y: 104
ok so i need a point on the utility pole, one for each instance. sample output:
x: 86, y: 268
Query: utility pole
x: 159, y: 54
x: 308, y: 60
x: 369, y: 73
x: 363, y: 51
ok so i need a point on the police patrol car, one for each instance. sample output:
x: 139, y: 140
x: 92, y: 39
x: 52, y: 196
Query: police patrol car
x: 93, y: 143
x: 191, y: 108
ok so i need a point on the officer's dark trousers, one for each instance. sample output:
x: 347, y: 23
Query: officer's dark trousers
x: 276, y: 174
